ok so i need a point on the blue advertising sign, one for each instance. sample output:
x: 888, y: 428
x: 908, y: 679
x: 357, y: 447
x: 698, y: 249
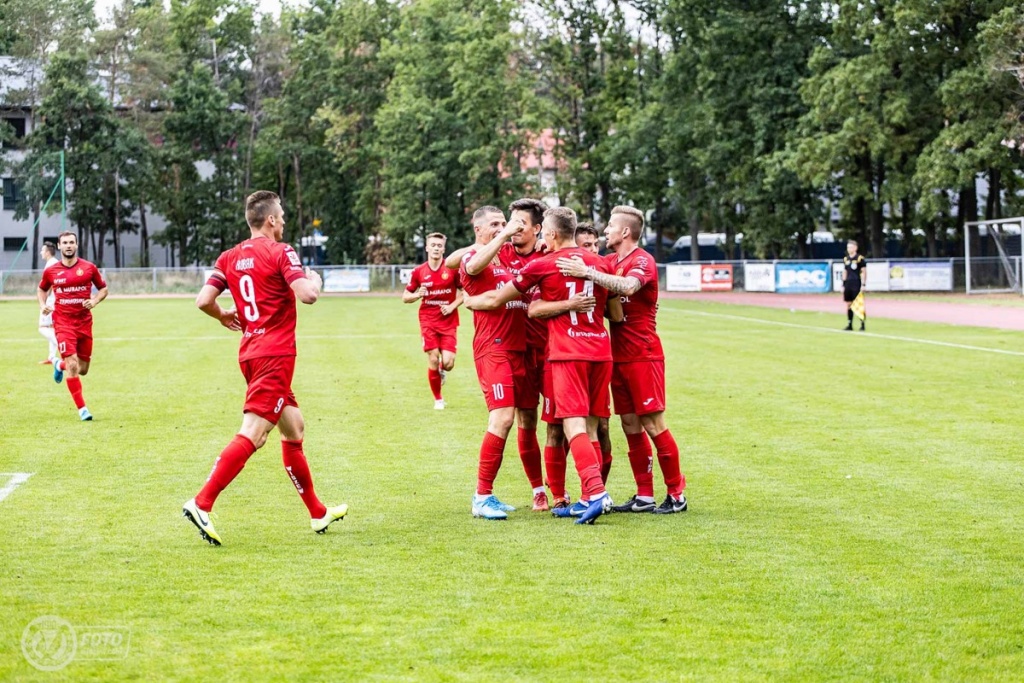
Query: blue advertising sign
x: 802, y: 278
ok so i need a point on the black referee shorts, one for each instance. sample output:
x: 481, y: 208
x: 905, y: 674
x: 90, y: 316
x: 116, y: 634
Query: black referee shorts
x: 850, y: 290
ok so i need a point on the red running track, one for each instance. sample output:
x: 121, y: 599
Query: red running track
x: 976, y: 314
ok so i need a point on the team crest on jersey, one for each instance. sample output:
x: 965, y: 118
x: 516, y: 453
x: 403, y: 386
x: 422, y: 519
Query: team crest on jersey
x: 444, y: 275
x: 619, y: 272
x: 79, y: 272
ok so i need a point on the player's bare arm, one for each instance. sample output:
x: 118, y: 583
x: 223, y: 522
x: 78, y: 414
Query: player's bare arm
x: 412, y: 297
x: 208, y: 304
x: 578, y: 303
x: 41, y: 295
x: 613, y: 310
x: 489, y: 251
x: 575, y: 267
x: 307, y: 289
x: 94, y: 300
x: 489, y: 301
x: 454, y: 259
x: 448, y: 309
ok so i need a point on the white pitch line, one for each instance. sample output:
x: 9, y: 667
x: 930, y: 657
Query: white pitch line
x: 779, y: 323
x: 16, y: 480
x: 221, y: 337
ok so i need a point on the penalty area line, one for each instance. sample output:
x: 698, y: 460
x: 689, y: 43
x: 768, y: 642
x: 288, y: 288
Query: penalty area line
x: 891, y: 337
x: 16, y: 480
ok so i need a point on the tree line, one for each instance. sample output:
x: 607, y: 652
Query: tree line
x: 378, y: 121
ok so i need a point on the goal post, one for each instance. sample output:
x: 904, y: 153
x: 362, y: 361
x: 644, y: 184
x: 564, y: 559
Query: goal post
x: 992, y: 256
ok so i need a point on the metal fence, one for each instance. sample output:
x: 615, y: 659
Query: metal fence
x: 985, y: 273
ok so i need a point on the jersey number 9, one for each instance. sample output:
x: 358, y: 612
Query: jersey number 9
x: 248, y: 291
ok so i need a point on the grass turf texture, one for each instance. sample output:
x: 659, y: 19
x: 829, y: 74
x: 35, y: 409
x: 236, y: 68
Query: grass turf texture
x: 855, y: 511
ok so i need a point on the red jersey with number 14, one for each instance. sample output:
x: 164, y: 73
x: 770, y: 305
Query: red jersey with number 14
x: 72, y: 286
x: 636, y: 337
x: 259, y: 272
x: 571, y: 336
x: 441, y: 285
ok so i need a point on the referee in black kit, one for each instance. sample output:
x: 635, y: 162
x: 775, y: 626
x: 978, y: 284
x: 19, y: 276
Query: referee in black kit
x: 854, y: 273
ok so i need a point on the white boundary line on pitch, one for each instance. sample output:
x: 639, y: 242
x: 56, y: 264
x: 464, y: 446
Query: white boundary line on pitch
x: 225, y: 337
x: 779, y: 323
x: 17, y: 479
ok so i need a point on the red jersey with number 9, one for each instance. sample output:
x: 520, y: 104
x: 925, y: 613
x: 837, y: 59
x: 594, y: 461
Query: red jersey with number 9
x: 259, y: 272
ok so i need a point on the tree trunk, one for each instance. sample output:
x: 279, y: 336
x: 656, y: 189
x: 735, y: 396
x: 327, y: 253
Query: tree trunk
x: 659, y: 227
x: 877, y: 219
x: 905, y: 225
x: 968, y: 213
x: 143, y: 234
x: 117, y: 222
x: 694, y: 229
x: 932, y: 239
x: 298, y: 198
x: 36, y: 244
x: 860, y: 221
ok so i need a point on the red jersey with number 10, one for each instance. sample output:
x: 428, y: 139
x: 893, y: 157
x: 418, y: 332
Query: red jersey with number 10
x: 259, y: 272
x: 72, y: 286
x: 636, y: 337
x: 571, y: 336
x: 441, y: 285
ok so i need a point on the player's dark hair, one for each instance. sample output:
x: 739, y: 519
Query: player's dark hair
x: 587, y: 228
x: 50, y: 248
x: 563, y: 219
x: 65, y: 234
x: 484, y: 210
x: 534, y: 207
x: 258, y: 206
x: 636, y: 224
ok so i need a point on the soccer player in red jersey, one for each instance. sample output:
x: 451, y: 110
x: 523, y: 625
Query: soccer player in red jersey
x: 264, y: 277
x: 72, y: 280
x: 514, y: 247
x: 499, y: 340
x: 638, y: 381
x: 579, y: 351
x: 436, y: 287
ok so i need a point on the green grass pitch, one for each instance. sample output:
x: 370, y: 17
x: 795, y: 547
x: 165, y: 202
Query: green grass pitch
x: 856, y: 507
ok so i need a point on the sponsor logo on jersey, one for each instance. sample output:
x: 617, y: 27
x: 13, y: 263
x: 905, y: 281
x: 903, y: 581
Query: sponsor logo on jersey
x: 293, y: 257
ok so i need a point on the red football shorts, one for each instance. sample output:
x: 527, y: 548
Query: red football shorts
x: 580, y: 387
x: 74, y: 340
x: 502, y: 378
x: 533, y: 384
x: 639, y: 387
x: 269, y: 386
x: 547, y: 410
x: 434, y: 338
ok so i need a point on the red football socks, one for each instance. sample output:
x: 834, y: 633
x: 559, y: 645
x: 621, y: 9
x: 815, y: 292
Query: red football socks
x: 529, y: 453
x: 668, y: 458
x: 298, y: 470
x: 227, y: 466
x: 492, y: 450
x: 75, y: 387
x: 554, y: 465
x: 641, y: 462
x: 588, y: 466
x: 434, y: 376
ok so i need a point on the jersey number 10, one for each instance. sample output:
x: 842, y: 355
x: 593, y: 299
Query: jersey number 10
x: 248, y: 291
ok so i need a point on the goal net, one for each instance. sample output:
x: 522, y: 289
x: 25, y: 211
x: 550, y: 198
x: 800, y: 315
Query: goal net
x: 992, y: 256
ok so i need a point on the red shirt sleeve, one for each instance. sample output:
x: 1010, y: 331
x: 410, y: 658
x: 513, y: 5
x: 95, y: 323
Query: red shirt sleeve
x: 641, y: 269
x: 45, y: 283
x: 290, y: 265
x: 530, y: 275
x: 217, y: 278
x: 97, y: 278
x: 414, y: 280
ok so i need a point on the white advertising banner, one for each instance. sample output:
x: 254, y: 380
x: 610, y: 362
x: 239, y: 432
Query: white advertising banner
x: 347, y: 280
x: 682, y: 277
x: 759, y: 277
x: 405, y: 274
x: 915, y: 276
x: 878, y: 276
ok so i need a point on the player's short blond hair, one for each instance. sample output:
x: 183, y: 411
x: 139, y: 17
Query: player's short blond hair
x: 636, y: 223
x: 563, y: 219
x: 258, y: 207
x: 435, y: 236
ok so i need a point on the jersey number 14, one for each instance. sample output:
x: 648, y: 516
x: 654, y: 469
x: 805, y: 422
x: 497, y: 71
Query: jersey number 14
x: 588, y: 290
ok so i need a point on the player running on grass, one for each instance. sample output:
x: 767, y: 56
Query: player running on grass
x: 436, y: 287
x: 264, y: 276
x: 579, y: 351
x: 72, y: 280
x: 638, y: 381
